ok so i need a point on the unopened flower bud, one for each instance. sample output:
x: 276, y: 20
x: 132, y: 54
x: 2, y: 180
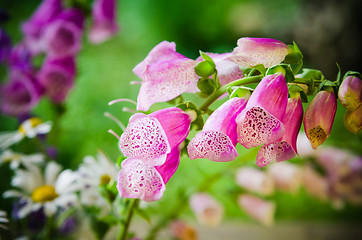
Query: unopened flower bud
x: 349, y: 93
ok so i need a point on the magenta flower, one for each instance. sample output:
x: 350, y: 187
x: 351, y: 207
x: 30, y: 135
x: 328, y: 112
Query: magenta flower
x: 20, y: 94
x: 34, y: 28
x: 166, y: 74
x: 139, y: 180
x: 218, y: 138
x: 350, y: 93
x: 104, y: 21
x: 261, y: 121
x: 20, y: 58
x: 319, y: 117
x: 253, y: 51
x: 152, y: 137
x: 63, y: 37
x: 287, y: 147
x: 5, y: 46
x: 57, y: 77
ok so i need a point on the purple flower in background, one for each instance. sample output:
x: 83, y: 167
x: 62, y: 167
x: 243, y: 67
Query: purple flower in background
x: 166, y: 74
x: 261, y: 121
x: 253, y: 51
x: 20, y: 58
x: 63, y: 37
x: 319, y: 117
x: 20, y: 94
x: 287, y: 147
x: 152, y: 137
x: 218, y: 138
x: 104, y: 21
x: 138, y: 180
x: 5, y: 46
x: 57, y: 77
x: 34, y: 28
x: 350, y: 93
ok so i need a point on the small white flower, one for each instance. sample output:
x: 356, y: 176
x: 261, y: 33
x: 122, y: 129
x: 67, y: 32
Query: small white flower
x: 17, y: 159
x: 50, y: 190
x: 93, y: 173
x: 3, y: 219
x: 29, y: 128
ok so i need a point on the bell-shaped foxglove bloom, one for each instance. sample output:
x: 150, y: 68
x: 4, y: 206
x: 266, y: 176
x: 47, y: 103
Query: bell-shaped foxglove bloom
x: 261, y: 121
x: 287, y: 147
x: 350, y: 93
x: 218, y: 139
x: 286, y: 176
x: 227, y: 71
x: 57, y: 77
x: 104, y: 21
x: 34, y: 28
x: 63, y: 37
x: 151, y: 137
x: 254, y: 51
x: 319, y: 117
x: 353, y: 120
x: 5, y: 46
x: 261, y: 210
x: 207, y: 209
x: 20, y: 58
x: 20, y: 95
x: 166, y: 74
x: 145, y: 182
x: 255, y: 180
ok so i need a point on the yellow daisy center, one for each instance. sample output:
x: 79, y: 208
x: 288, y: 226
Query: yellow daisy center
x: 44, y: 193
x: 105, y: 179
x: 33, y: 123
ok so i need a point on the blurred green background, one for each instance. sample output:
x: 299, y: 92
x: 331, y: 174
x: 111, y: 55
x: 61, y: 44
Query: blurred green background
x: 326, y: 32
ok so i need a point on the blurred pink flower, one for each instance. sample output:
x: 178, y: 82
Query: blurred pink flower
x: 207, y: 209
x: 255, y: 180
x: 183, y: 231
x: 286, y: 176
x: 315, y: 184
x: 218, y: 138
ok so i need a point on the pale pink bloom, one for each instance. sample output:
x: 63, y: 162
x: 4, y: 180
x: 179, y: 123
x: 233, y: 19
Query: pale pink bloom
x: 255, y: 180
x: 254, y: 51
x: 183, y: 231
x: 207, y: 209
x: 315, y: 184
x: 166, y: 74
x: 218, y: 138
x: 261, y: 121
x: 286, y: 176
x: 259, y: 209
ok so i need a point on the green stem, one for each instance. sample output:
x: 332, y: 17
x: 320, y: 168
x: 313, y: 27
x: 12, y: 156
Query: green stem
x: 133, y: 204
x: 41, y: 148
x: 215, y: 95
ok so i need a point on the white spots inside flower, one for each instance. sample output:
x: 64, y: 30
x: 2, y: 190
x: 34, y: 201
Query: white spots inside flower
x: 317, y: 136
x: 29, y: 124
x: 278, y: 151
x: 105, y: 179
x: 44, y: 194
x: 141, y: 181
x: 143, y: 138
x: 215, y: 146
x: 257, y: 127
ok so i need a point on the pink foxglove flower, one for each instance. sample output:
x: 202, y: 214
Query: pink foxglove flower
x: 286, y: 176
x: 57, y: 77
x: 20, y: 95
x: 350, y: 93
x: 104, y: 21
x: 287, y: 147
x: 255, y: 180
x: 5, y: 46
x: 63, y: 37
x: 315, y: 184
x: 218, y: 138
x: 152, y: 137
x: 254, y: 51
x: 166, y: 74
x: 34, y: 28
x: 261, y: 121
x: 207, y: 210
x: 353, y: 120
x: 145, y: 182
x: 257, y: 208
x: 319, y: 117
x: 227, y: 71
x: 20, y: 58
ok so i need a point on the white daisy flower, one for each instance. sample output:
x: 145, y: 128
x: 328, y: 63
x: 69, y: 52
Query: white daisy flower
x: 50, y: 190
x: 29, y: 128
x: 17, y: 159
x: 93, y: 173
x: 3, y: 219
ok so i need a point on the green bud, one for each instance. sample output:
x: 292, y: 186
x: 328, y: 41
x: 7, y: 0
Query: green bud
x: 282, y: 68
x: 204, y: 69
x: 294, y: 55
x: 206, y: 85
x: 241, y: 92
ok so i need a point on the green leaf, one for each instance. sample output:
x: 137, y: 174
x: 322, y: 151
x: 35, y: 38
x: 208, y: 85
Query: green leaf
x: 261, y: 69
x: 204, y: 69
x: 143, y: 214
x: 241, y: 92
x: 312, y: 74
x: 353, y: 73
x: 294, y: 55
x: 120, y: 159
x: 198, y: 123
x: 207, y: 58
x: 326, y: 84
x: 206, y: 86
x: 339, y: 80
x: 282, y: 68
x: 303, y: 97
x: 109, y: 219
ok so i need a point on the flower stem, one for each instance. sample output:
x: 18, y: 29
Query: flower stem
x: 131, y: 207
x: 215, y: 95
